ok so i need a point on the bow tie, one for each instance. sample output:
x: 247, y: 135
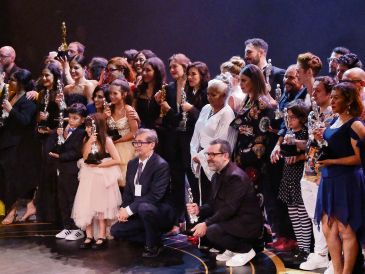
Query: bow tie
x: 70, y: 130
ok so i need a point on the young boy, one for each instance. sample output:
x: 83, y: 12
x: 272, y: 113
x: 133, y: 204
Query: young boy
x: 70, y: 153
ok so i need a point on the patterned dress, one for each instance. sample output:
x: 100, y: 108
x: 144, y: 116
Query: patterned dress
x: 290, y: 191
x: 251, y: 153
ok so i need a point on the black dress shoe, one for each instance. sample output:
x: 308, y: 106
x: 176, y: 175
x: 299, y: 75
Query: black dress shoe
x: 88, y: 244
x: 101, y: 245
x: 151, y: 252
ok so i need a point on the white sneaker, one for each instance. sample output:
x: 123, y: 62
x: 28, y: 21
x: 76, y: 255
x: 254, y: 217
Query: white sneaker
x: 63, y: 234
x: 329, y: 269
x: 225, y: 256
x: 241, y: 259
x: 213, y: 250
x: 314, y: 261
x: 76, y: 234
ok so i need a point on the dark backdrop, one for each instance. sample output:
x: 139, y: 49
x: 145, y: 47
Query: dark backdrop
x: 206, y: 30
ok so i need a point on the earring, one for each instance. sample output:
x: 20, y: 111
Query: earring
x: 348, y: 110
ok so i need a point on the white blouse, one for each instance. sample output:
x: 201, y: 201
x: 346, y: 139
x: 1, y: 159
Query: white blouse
x: 208, y: 128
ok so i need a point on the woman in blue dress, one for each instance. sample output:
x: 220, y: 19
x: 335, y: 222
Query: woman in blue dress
x: 341, y: 195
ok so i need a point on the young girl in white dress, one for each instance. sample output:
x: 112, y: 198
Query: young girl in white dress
x: 98, y: 197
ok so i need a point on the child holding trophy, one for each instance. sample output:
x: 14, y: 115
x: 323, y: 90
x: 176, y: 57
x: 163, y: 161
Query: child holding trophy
x: 68, y: 152
x: 98, y: 197
x: 290, y: 190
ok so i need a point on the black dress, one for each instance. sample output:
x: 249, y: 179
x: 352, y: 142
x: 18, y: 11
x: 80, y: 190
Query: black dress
x: 46, y: 197
x: 19, y: 153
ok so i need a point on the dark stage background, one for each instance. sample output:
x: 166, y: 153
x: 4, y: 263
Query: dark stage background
x: 206, y: 30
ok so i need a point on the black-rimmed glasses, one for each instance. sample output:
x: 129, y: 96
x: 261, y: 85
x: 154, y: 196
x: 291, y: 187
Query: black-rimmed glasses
x: 213, y: 154
x: 139, y: 143
x: 350, y: 81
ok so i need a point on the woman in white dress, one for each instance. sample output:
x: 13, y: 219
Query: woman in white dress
x: 213, y: 123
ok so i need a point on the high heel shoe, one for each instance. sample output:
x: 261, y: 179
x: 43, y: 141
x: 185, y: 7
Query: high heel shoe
x: 26, y: 216
x: 31, y: 210
x: 10, y: 218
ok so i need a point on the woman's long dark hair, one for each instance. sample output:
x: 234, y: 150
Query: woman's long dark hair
x: 159, y: 74
x: 124, y: 88
x: 100, y: 123
x: 257, y: 79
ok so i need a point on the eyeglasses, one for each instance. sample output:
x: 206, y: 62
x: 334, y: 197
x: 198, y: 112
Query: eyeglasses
x: 212, y: 154
x: 139, y: 143
x: 4, y: 56
x: 350, y: 81
x: 111, y: 69
x: 332, y: 59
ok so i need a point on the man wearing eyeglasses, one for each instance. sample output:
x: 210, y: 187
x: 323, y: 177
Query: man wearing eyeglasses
x: 145, y: 213
x: 7, y: 60
x: 232, y: 220
x: 332, y: 60
x: 356, y: 76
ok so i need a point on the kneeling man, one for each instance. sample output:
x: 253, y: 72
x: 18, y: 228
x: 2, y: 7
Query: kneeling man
x: 232, y: 220
x: 145, y: 213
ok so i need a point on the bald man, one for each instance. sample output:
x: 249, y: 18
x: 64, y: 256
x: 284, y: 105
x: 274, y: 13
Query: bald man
x: 7, y: 60
x: 357, y: 77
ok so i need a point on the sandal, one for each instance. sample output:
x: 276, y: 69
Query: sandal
x: 87, y: 244
x: 27, y: 215
x: 10, y: 218
x: 101, y: 245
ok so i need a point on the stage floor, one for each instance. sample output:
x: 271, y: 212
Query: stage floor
x: 32, y: 248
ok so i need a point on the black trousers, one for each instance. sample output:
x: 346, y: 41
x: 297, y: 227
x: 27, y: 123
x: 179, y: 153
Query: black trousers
x: 67, y: 185
x: 177, y: 149
x: 146, y: 225
x: 222, y: 240
x: 276, y: 210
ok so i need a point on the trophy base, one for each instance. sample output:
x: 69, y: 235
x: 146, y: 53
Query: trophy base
x: 92, y: 159
x: 288, y: 150
x: 62, y: 54
x: 114, y: 134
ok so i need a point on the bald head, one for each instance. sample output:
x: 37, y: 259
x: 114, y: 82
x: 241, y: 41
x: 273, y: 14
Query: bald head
x: 354, y: 74
x: 7, y: 56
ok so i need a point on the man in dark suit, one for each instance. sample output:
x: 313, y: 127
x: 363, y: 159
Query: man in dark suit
x: 232, y: 220
x: 255, y: 53
x: 145, y: 213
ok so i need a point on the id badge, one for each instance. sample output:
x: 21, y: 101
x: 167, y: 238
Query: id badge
x: 138, y: 190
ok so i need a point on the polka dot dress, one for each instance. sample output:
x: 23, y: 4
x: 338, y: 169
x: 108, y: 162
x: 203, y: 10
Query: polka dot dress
x: 289, y: 190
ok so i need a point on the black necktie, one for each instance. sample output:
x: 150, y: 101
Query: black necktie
x: 139, y: 172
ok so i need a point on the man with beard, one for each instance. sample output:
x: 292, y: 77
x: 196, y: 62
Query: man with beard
x: 232, y: 219
x: 7, y: 60
x: 255, y: 53
x: 333, y: 60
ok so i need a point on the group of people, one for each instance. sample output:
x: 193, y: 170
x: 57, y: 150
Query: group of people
x: 108, y: 147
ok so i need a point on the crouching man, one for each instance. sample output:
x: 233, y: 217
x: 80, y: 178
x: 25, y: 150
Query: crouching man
x: 232, y: 219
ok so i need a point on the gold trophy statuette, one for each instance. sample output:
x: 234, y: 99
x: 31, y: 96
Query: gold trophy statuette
x: 163, y: 98
x: 63, y: 48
